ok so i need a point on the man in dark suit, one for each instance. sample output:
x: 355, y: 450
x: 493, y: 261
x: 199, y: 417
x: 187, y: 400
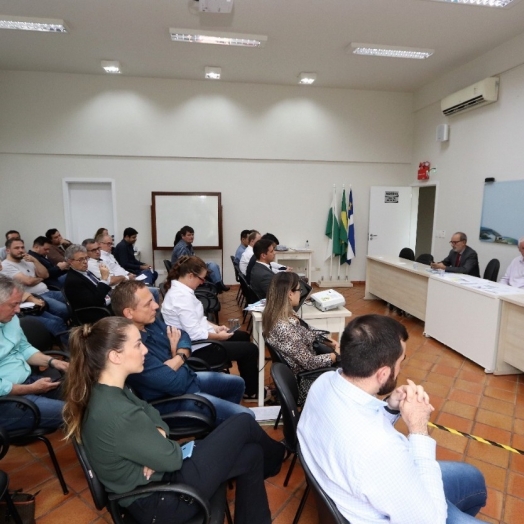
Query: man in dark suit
x: 82, y: 288
x: 262, y: 274
x: 461, y: 258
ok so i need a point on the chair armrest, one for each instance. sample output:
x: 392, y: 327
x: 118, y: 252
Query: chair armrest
x: 314, y: 372
x: 188, y: 396
x: 58, y: 353
x: 27, y: 403
x: 202, y: 365
x: 198, y: 364
x: 183, y: 489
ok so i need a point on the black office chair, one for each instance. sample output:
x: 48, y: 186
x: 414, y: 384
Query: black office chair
x: 328, y: 512
x: 425, y: 258
x: 168, y: 264
x: 237, y: 278
x: 22, y: 437
x: 220, y: 361
x: 86, y: 315
x: 39, y: 336
x: 210, y: 302
x: 4, y: 480
x: 407, y: 253
x: 287, y: 391
x: 492, y: 270
x: 210, y: 511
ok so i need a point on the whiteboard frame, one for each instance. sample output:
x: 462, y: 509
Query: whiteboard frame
x: 187, y: 221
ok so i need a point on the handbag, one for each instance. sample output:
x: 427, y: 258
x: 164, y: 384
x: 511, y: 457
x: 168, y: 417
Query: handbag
x: 319, y: 345
x: 24, y: 504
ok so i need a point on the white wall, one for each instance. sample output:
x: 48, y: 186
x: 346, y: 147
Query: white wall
x: 485, y: 142
x: 274, y: 152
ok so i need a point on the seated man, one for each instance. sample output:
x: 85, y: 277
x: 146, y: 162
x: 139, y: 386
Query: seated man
x: 262, y: 274
x: 165, y: 372
x: 82, y: 288
x: 10, y: 234
x: 105, y: 242
x: 243, y: 244
x: 515, y: 273
x: 57, y: 247
x: 184, y: 247
x: 29, y: 272
x: 461, y: 258
x: 372, y: 472
x: 57, y: 272
x: 252, y: 239
x: 16, y: 355
x: 95, y: 261
x: 125, y: 255
x: 274, y: 266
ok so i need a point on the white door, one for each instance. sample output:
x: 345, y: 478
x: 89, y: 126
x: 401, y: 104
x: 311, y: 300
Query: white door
x: 391, y: 224
x: 89, y: 205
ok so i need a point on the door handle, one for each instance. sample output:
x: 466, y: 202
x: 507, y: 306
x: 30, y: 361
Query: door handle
x: 371, y: 236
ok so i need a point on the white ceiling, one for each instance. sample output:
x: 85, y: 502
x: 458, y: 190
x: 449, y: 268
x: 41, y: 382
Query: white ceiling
x: 303, y: 35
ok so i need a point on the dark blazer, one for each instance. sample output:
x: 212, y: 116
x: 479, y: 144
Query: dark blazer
x: 261, y: 277
x: 469, y: 263
x: 54, y: 271
x: 125, y: 256
x: 81, y: 292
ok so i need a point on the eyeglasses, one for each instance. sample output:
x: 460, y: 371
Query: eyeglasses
x: 111, y: 243
x: 94, y: 249
x: 297, y: 290
x: 200, y: 278
x: 83, y: 259
x: 454, y: 242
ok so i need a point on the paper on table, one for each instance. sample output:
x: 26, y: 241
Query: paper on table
x: 266, y: 413
x: 27, y: 305
x: 141, y: 277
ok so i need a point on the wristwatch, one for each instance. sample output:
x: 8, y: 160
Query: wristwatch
x: 49, y: 365
x: 184, y: 358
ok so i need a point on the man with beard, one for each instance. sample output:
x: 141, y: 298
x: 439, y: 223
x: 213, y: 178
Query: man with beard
x: 372, y: 472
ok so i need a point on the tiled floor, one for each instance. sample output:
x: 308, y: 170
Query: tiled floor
x: 465, y: 398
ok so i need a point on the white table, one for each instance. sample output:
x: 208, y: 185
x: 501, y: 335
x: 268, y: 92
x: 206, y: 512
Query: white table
x: 466, y: 317
x: 333, y: 321
x: 299, y: 260
x: 511, y: 334
x: 398, y: 281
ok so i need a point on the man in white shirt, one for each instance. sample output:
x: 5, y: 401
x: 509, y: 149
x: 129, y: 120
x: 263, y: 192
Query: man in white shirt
x: 95, y: 261
x: 372, y: 472
x: 252, y: 239
x: 515, y: 273
x: 105, y: 243
x: 29, y: 272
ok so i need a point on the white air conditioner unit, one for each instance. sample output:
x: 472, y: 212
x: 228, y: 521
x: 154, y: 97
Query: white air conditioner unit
x: 484, y: 92
x: 215, y: 6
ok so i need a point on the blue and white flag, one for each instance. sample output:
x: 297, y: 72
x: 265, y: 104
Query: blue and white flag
x: 351, y: 230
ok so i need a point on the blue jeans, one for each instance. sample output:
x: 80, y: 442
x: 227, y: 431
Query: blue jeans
x: 155, y: 293
x: 55, y: 325
x: 222, y: 390
x: 465, y: 491
x: 150, y: 275
x: 15, y: 416
x: 56, y: 303
x: 214, y: 272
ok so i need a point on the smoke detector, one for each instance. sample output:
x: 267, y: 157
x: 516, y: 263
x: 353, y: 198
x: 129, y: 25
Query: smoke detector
x: 215, y: 6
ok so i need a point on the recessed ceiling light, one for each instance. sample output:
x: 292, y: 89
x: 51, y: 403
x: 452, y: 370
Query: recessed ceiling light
x: 23, y: 23
x: 111, y: 66
x: 213, y: 73
x: 213, y: 37
x: 389, y: 51
x: 307, y: 78
x: 482, y: 3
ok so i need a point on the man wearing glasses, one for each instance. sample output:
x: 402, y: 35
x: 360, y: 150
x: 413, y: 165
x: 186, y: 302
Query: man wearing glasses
x: 95, y: 262
x: 461, y: 258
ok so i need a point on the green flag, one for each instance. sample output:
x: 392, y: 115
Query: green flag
x: 343, y: 230
x: 331, y: 232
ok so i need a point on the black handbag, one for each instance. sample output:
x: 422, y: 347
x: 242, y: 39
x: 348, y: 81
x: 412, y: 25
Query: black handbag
x: 24, y: 504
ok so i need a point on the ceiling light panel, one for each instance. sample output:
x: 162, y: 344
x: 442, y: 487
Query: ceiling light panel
x: 111, y: 66
x: 390, y: 51
x: 482, y: 3
x: 22, y: 23
x: 212, y: 37
x: 307, y: 78
x: 212, y: 73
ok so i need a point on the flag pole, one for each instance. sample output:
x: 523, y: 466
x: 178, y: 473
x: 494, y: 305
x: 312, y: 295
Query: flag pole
x: 332, y: 232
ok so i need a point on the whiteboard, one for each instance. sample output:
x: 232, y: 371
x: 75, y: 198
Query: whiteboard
x: 171, y: 211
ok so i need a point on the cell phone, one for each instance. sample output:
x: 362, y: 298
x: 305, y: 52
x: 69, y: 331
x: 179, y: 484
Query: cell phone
x: 187, y: 449
x: 233, y: 330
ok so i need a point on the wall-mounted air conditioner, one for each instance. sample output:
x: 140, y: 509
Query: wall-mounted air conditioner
x: 484, y: 92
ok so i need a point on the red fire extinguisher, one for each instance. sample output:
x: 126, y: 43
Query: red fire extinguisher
x: 423, y: 171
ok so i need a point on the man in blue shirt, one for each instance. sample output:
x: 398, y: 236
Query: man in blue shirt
x: 16, y: 356
x: 243, y: 244
x: 165, y: 372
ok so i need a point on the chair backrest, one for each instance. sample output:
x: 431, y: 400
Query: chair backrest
x: 36, y: 333
x: 168, y: 264
x: 492, y: 270
x: 328, y: 512
x: 236, y: 268
x: 407, y: 252
x: 287, y: 390
x: 425, y: 258
x: 4, y: 442
x: 275, y: 354
x: 98, y: 491
x: 250, y: 296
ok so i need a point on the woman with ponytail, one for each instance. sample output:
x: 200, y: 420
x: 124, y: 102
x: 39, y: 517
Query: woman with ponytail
x: 125, y: 438
x: 182, y: 309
